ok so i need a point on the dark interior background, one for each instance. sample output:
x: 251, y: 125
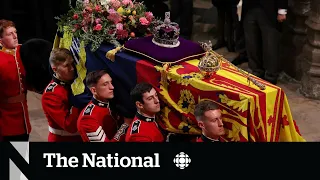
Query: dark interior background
x: 34, y: 18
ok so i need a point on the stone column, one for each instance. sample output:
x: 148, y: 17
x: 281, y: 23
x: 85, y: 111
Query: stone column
x: 294, y: 37
x: 311, y: 51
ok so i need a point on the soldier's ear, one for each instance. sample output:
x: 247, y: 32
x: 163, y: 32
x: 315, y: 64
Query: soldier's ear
x: 200, y: 124
x: 93, y: 90
x: 54, y: 68
x: 139, y: 104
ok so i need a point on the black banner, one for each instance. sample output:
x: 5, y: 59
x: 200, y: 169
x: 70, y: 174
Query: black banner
x: 152, y: 160
x: 115, y: 159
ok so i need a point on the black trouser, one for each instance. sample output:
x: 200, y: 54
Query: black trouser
x: 23, y: 137
x: 225, y: 19
x: 262, y: 43
x: 240, y: 44
x: 182, y: 13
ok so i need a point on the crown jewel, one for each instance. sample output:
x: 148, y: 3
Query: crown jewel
x: 167, y: 33
x: 210, y: 63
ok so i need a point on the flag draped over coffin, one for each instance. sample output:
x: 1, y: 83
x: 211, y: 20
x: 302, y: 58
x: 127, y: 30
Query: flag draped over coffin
x: 249, y: 114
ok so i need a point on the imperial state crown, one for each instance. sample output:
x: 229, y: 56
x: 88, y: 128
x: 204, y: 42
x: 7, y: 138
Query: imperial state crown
x: 166, y: 34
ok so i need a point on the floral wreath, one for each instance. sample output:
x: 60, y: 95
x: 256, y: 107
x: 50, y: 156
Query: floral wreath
x: 113, y: 21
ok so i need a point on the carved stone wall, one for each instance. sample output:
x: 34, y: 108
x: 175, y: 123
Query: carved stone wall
x: 294, y: 37
x: 311, y: 54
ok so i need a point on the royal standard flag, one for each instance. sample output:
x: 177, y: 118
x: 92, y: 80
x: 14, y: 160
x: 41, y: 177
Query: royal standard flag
x: 249, y: 114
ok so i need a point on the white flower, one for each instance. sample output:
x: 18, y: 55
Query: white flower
x: 104, y: 2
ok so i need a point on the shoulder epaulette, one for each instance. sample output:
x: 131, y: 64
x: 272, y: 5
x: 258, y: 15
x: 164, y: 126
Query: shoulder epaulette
x: 88, y: 110
x: 51, y: 87
x: 135, y: 127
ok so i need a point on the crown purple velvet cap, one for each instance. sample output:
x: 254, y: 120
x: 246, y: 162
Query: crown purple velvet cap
x: 166, y: 34
x: 187, y: 50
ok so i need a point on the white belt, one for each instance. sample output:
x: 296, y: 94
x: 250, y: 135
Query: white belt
x: 62, y: 132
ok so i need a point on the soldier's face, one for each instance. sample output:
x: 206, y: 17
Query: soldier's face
x: 9, y: 38
x: 151, y: 103
x: 212, y: 124
x: 104, y: 88
x: 65, y: 70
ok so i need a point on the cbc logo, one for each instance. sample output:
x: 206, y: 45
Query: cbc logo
x: 182, y: 160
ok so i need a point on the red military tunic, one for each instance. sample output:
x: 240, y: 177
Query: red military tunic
x: 14, y: 116
x: 62, y: 117
x: 144, y: 129
x: 96, y: 124
x: 204, y: 138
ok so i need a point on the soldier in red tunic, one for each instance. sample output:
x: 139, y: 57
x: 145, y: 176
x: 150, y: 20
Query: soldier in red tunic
x: 144, y: 127
x: 98, y: 122
x: 209, y: 120
x: 14, y: 117
x: 62, y: 116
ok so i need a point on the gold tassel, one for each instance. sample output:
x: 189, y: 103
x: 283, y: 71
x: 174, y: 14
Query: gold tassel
x: 111, y: 54
x: 164, y: 75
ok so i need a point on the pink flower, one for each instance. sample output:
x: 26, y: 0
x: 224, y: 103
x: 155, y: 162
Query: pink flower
x: 119, y: 26
x: 87, y: 19
x: 97, y: 27
x: 86, y: 1
x: 149, y: 16
x: 111, y: 31
x: 98, y: 21
x: 112, y: 11
x: 121, y: 34
x: 85, y: 29
x: 98, y: 8
x: 75, y: 16
x: 84, y: 13
x: 83, y: 22
x: 76, y: 26
x: 88, y: 9
x: 114, y: 16
x: 144, y: 21
x: 126, y: 2
x: 115, y: 4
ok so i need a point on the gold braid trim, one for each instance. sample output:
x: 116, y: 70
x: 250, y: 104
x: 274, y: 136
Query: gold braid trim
x: 164, y: 75
x: 161, y: 61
